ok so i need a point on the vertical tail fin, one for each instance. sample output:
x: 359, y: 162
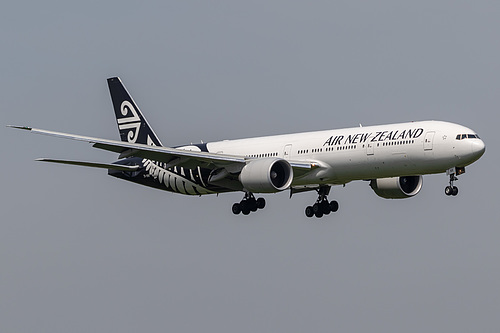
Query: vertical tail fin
x: 132, y: 125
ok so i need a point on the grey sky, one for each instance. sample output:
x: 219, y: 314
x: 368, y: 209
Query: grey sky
x: 81, y: 251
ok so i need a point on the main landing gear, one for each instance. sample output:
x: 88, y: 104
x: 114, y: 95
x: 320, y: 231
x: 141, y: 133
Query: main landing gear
x: 322, y: 206
x: 451, y: 189
x: 248, y: 204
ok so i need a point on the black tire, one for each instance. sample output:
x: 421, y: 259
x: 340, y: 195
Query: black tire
x: 316, y: 208
x: 252, y: 203
x: 236, y: 208
x: 309, y: 211
x: 245, y: 207
x: 448, y: 190
x: 455, y: 191
x: 325, y: 207
x: 261, y: 203
x: 319, y: 214
x: 334, y: 206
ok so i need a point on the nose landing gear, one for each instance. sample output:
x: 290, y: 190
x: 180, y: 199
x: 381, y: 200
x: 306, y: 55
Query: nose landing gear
x: 322, y: 206
x: 451, y: 189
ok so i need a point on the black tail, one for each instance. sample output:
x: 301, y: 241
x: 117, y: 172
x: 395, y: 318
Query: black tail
x: 132, y: 125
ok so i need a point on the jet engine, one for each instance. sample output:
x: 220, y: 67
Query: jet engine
x: 397, y: 187
x: 267, y: 175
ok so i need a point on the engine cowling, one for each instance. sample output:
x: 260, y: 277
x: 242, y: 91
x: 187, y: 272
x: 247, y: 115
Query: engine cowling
x: 267, y: 175
x: 397, y: 187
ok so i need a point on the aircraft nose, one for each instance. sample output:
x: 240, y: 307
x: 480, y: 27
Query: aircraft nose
x: 478, y: 148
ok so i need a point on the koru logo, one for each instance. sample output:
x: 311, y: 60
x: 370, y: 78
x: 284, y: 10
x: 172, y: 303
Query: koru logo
x: 130, y: 121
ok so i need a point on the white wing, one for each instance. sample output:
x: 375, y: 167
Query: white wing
x: 171, y: 156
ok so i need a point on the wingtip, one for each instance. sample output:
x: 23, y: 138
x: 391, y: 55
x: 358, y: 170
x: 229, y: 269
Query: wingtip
x: 20, y: 127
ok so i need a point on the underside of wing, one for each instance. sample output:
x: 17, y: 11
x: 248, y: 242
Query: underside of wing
x: 171, y: 156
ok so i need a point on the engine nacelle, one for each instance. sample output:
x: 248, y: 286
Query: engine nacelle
x: 267, y: 175
x: 397, y: 187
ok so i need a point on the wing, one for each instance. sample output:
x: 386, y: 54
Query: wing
x: 170, y: 156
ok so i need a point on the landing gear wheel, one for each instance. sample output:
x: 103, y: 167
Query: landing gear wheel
x: 334, y: 206
x: 245, y: 207
x: 451, y: 190
x: 309, y: 211
x: 325, y: 207
x: 261, y: 203
x: 236, y: 208
x: 448, y: 190
x: 253, y: 204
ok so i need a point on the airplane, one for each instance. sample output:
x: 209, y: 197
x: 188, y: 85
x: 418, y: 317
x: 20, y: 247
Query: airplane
x: 391, y: 157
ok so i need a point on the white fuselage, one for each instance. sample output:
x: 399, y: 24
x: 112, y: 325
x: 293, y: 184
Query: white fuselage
x: 343, y: 155
x: 393, y: 157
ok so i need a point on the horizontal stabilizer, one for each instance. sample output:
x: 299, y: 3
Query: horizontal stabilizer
x: 92, y: 164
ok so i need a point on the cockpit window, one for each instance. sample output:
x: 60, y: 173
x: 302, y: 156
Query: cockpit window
x: 467, y: 136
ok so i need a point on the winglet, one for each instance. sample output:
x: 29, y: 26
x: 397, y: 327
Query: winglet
x: 20, y: 127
